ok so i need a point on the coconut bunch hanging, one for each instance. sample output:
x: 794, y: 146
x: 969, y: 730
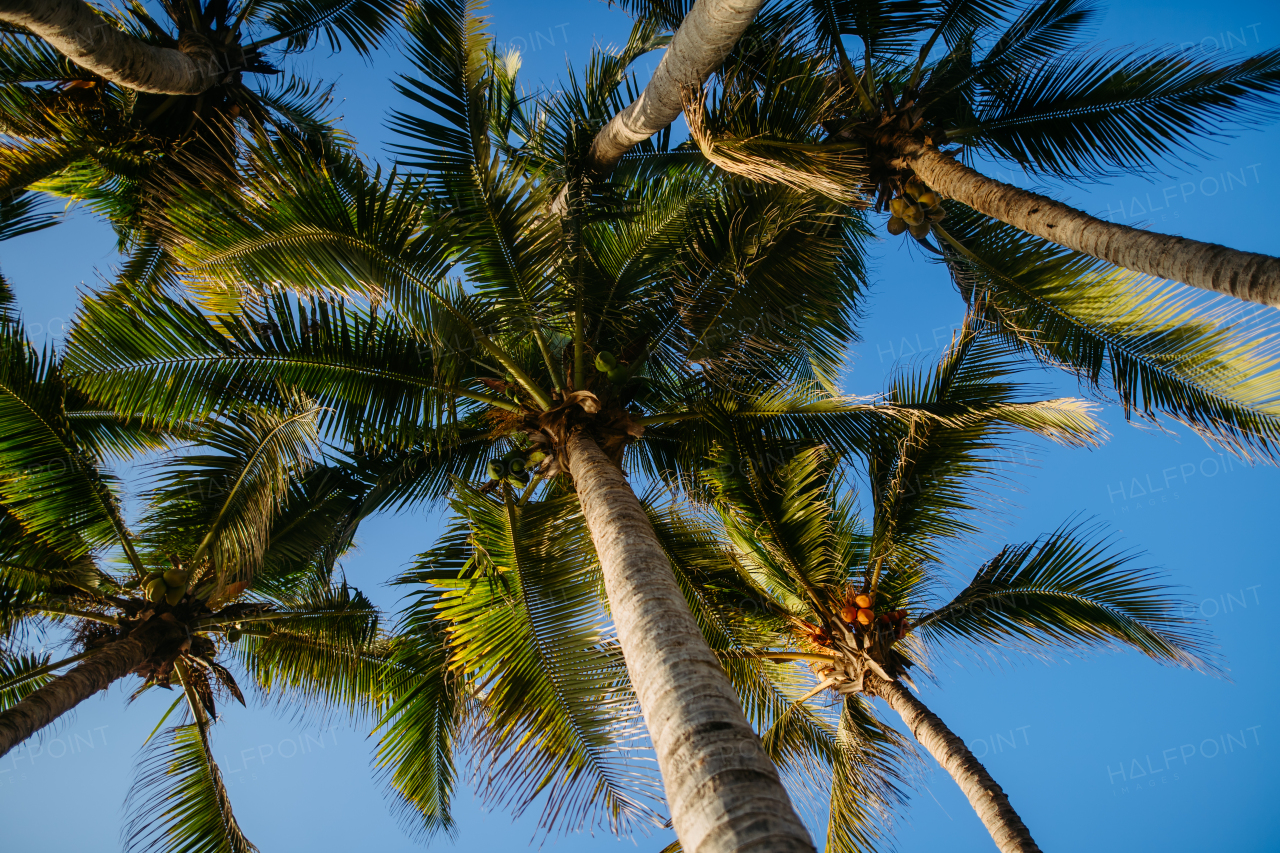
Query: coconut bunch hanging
x: 169, y: 586
x: 860, y: 614
x: 915, y: 209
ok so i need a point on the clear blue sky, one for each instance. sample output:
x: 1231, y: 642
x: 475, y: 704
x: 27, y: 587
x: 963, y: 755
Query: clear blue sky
x: 1114, y: 753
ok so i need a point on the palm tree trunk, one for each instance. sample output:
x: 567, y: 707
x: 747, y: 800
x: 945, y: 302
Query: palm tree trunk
x: 985, y: 795
x: 97, y: 672
x: 723, y: 792
x: 704, y: 39
x: 75, y: 30
x: 1244, y: 275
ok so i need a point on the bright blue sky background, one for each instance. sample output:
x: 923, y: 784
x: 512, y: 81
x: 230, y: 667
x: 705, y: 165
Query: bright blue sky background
x: 1114, y: 753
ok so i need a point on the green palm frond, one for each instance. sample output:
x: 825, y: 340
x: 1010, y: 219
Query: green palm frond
x: 1102, y: 114
x: 377, y: 380
x: 1209, y: 364
x: 228, y: 500
x: 525, y: 623
x: 420, y: 727
x: 22, y: 674
x: 511, y: 246
x: 178, y: 802
x: 324, y: 653
x: 870, y: 763
x: 24, y: 213
x: 1071, y: 588
x: 358, y: 24
x: 49, y: 484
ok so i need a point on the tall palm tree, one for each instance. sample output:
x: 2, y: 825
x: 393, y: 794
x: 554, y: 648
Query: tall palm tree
x: 234, y: 553
x: 857, y: 605
x: 509, y: 359
x: 78, y: 132
x: 931, y: 84
x: 1153, y: 347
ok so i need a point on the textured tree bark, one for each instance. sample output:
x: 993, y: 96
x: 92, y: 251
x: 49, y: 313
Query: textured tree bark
x: 1244, y: 275
x: 723, y: 792
x: 704, y: 39
x: 97, y: 672
x: 985, y: 795
x: 75, y: 30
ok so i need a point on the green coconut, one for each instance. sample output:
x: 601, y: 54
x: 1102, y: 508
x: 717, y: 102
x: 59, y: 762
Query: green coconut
x: 518, y: 478
x: 929, y: 198
x: 176, y: 579
x: 174, y: 595
x: 517, y: 465
x: 156, y: 590
x: 233, y: 634
x: 618, y: 374
x: 606, y: 362
x: 913, y: 215
x: 496, y: 469
x: 898, y: 206
x: 535, y: 458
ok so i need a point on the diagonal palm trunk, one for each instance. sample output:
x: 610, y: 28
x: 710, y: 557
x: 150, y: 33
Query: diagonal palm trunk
x: 985, y: 795
x: 97, y: 672
x: 723, y: 791
x: 1244, y: 275
x: 704, y: 39
x: 75, y: 30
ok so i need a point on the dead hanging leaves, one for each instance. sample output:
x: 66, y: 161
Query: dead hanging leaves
x: 833, y: 169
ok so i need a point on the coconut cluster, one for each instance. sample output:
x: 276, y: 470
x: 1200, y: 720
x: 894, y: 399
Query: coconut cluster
x: 915, y: 209
x: 169, y: 586
x: 860, y: 613
x: 514, y: 466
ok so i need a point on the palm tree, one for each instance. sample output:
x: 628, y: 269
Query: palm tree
x: 939, y: 82
x: 853, y: 603
x: 1151, y: 346
x: 75, y: 130
x: 235, y: 553
x: 660, y: 314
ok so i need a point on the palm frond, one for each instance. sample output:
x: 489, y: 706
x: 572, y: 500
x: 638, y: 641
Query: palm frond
x: 1103, y: 114
x: 1208, y: 363
x: 178, y: 802
x: 1072, y: 588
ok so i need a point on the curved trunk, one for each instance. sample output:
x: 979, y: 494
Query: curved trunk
x: 985, y: 795
x: 723, y: 792
x: 97, y: 672
x: 1244, y: 275
x: 75, y: 30
x: 704, y: 39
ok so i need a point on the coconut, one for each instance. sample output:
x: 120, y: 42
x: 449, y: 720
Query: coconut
x: 176, y: 579
x: 866, y: 616
x: 618, y: 374
x: 896, y: 226
x: 919, y: 231
x: 518, y: 478
x: 535, y: 458
x: 495, y: 469
x: 517, y: 465
x: 233, y: 634
x: 863, y: 601
x: 849, y: 613
x: 156, y: 590
x: 897, y: 206
x: 936, y: 214
x: 914, y: 187
x: 913, y: 215
x: 174, y: 595
x: 132, y: 583
x: 929, y: 198
x: 153, y: 576
x: 606, y: 362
